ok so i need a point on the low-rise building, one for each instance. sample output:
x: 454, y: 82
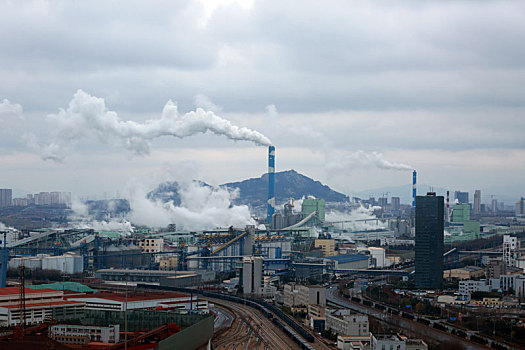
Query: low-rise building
x: 464, y: 273
x: 346, y: 322
x: 348, y: 261
x: 327, y: 245
x: 73, y: 334
x: 299, y: 295
x: 387, y: 341
x: 346, y: 342
x: 470, y: 286
x: 134, y: 301
x: 40, y: 304
x: 497, y: 302
x: 168, y: 263
x: 152, y: 245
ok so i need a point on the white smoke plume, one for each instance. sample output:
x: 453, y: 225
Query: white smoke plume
x: 82, y: 220
x: 88, y: 116
x: 336, y: 162
x: 352, y: 217
x: 201, y: 208
x: 113, y: 225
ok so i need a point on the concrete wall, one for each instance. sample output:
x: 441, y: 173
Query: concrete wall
x: 190, y: 338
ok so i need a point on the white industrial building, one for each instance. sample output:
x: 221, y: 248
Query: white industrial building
x: 252, y: 275
x: 117, y: 302
x: 69, y: 334
x: 40, y: 305
x: 347, y: 323
x: 299, y: 295
x: 68, y: 263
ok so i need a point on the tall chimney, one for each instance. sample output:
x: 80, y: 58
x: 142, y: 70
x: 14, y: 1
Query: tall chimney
x: 271, y: 183
x: 448, y: 206
x: 414, y: 182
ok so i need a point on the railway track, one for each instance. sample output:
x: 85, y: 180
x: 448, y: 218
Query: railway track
x: 251, y: 329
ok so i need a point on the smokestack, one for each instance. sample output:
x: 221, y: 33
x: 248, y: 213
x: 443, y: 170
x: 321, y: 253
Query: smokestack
x: 448, y: 206
x: 414, y: 182
x: 271, y: 183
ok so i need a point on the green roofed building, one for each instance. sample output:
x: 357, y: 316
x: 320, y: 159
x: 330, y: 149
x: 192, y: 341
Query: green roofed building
x: 73, y: 286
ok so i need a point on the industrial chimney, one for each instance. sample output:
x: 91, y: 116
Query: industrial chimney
x: 271, y: 183
x: 414, y: 182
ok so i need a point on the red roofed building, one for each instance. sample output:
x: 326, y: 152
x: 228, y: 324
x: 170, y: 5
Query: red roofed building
x: 40, y: 304
x: 117, y: 301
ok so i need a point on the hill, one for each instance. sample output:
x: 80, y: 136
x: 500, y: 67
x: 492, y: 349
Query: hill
x: 288, y: 184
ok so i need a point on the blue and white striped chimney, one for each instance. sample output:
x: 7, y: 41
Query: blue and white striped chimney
x: 271, y: 183
x: 414, y: 182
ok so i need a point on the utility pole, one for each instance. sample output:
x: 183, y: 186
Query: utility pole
x: 126, y: 315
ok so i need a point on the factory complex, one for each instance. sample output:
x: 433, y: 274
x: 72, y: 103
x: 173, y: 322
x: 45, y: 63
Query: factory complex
x: 164, y: 288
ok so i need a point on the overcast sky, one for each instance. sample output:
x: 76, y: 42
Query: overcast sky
x: 350, y: 92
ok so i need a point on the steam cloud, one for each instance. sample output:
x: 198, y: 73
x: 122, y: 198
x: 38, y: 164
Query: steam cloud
x: 359, y: 213
x: 201, y: 208
x: 87, y: 115
x: 335, y: 162
x: 339, y: 162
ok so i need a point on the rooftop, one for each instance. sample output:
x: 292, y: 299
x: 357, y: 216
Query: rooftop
x: 54, y: 303
x: 347, y: 257
x: 15, y: 290
x: 121, y: 297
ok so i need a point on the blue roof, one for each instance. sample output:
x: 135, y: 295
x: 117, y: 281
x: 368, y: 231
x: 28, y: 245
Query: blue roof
x: 348, y: 257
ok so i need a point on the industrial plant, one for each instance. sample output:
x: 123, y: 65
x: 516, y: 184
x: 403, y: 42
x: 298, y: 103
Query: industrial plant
x: 309, y: 272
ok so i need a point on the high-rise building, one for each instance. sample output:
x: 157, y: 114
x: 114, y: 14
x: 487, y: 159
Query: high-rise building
x: 252, y: 275
x: 383, y: 202
x: 6, y: 196
x: 519, y: 208
x: 510, y: 247
x: 494, y: 207
x: 477, y: 202
x: 461, y: 197
x: 396, y: 203
x: 430, y: 210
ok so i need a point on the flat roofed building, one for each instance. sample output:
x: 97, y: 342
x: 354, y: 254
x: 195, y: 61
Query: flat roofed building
x: 117, y: 301
x: 326, y: 245
x: 387, y: 342
x: 348, y: 261
x: 346, y: 322
x: 345, y: 342
x: 39, y: 303
x: 465, y: 273
x: 69, y: 334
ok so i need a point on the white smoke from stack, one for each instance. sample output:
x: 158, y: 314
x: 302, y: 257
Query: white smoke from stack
x: 87, y: 116
x: 335, y: 162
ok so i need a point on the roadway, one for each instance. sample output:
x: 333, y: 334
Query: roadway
x: 422, y: 330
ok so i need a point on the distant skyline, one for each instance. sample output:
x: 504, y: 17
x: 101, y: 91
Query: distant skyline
x: 353, y: 94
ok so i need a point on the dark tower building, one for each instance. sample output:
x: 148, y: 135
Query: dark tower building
x: 429, y: 241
